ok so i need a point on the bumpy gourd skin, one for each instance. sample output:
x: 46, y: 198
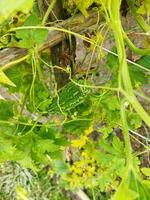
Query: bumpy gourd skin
x: 70, y: 96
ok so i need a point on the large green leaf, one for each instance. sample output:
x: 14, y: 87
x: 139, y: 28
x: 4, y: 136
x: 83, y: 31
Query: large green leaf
x: 11, y: 7
x: 124, y: 193
x: 31, y: 37
x: 132, y: 188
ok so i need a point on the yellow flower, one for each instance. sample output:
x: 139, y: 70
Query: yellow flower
x: 78, y: 171
x: 89, y: 130
x: 79, y: 143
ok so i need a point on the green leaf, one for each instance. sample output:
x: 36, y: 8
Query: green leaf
x: 105, y: 145
x: 41, y: 98
x: 144, y: 61
x: 144, y: 8
x: 32, y: 20
x: 106, y: 130
x: 110, y: 102
x: 11, y: 7
x: 136, y: 184
x: 45, y: 145
x: 77, y: 126
x: 118, y: 145
x: 131, y: 188
x: 27, y: 162
x: 6, y: 109
x: 21, y: 80
x: 124, y: 193
x: 83, y: 5
x: 137, y: 74
x: 46, y: 133
x: 60, y: 167
x: 112, y: 60
x: 31, y: 37
x: 134, y: 120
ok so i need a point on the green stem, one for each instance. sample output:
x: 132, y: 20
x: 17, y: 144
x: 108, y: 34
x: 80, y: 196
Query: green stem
x: 138, y: 108
x: 48, y: 12
x: 38, y: 67
x: 133, y: 47
x: 138, y: 18
x: 128, y: 147
x: 114, y: 11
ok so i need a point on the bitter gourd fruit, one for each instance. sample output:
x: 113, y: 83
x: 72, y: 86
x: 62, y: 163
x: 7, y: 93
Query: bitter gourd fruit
x: 70, y: 96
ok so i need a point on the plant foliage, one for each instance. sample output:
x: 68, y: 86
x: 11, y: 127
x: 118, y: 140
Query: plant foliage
x: 55, y: 140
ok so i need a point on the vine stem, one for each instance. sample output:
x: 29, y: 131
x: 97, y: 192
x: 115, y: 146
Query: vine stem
x: 126, y: 85
x: 127, y: 89
x: 133, y: 47
x: 126, y: 137
x: 145, y: 27
x: 48, y: 12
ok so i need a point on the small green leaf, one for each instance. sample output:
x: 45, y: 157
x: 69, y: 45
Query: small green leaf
x: 60, y: 167
x: 134, y: 120
x: 118, y: 145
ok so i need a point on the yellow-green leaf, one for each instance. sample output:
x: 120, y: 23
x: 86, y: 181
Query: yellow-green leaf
x: 5, y: 80
x: 146, y: 171
x: 1, y: 97
x: 11, y: 7
x: 22, y: 193
x: 124, y: 193
x: 83, y: 6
